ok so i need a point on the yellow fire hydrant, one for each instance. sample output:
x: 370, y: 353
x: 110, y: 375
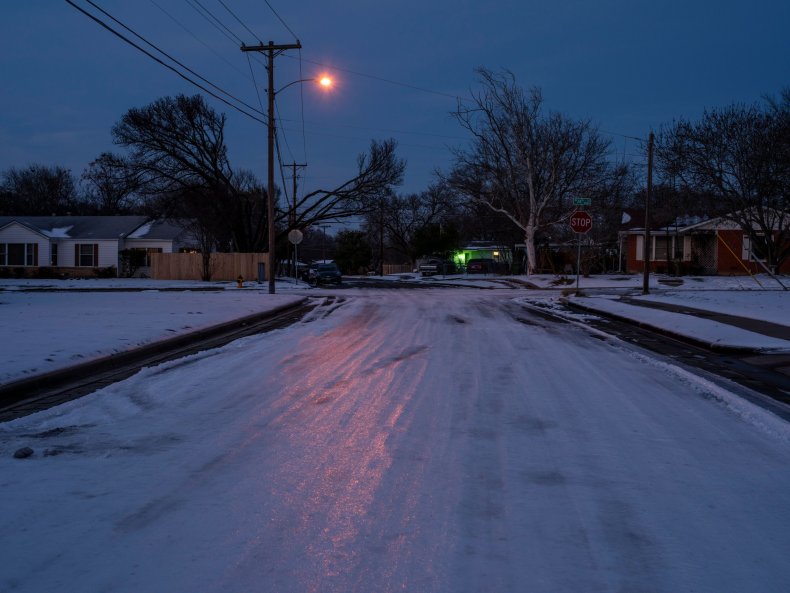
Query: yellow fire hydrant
x: 240, y: 282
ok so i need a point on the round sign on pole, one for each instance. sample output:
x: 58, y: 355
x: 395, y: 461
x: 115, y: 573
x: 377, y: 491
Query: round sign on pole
x: 295, y: 236
x: 581, y: 222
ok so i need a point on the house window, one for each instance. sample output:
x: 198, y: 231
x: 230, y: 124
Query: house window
x: 660, y: 248
x: 53, y: 255
x: 86, y: 255
x: 19, y: 254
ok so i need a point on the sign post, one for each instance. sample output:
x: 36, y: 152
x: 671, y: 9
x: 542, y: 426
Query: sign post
x: 581, y: 223
x: 295, y: 236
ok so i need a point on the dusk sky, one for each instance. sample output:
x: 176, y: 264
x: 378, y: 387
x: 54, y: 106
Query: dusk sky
x: 629, y: 66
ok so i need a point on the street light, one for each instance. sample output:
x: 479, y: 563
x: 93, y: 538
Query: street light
x: 324, y: 81
x: 270, y: 49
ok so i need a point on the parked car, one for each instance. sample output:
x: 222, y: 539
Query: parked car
x: 434, y: 266
x: 324, y: 273
x: 480, y: 266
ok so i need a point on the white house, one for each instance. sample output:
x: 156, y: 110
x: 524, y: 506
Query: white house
x: 83, y: 244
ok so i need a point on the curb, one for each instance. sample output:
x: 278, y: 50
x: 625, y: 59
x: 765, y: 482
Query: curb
x: 10, y: 391
x: 712, y: 346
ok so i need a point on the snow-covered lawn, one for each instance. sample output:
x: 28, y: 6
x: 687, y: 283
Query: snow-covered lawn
x: 44, y: 331
x: 773, y: 307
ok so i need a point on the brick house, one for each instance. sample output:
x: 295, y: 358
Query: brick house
x: 691, y: 245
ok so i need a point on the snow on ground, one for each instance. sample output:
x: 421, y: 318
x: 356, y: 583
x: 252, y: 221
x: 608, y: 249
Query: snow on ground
x: 774, y: 307
x: 436, y: 441
x: 760, y: 298
x: 45, y: 331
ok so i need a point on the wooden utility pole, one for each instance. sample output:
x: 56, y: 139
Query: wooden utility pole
x: 292, y: 215
x: 648, y: 198
x: 271, y: 50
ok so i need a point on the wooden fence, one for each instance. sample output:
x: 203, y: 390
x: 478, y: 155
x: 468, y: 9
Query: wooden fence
x: 397, y: 268
x: 224, y: 266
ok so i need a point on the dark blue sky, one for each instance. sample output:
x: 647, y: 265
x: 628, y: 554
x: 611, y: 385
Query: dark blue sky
x: 627, y: 65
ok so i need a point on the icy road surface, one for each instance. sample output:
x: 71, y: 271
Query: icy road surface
x: 425, y: 441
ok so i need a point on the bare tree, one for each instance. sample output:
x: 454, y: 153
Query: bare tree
x: 179, y: 158
x: 177, y: 150
x: 111, y: 184
x: 377, y: 172
x: 401, y: 218
x: 525, y: 163
x: 738, y: 158
x: 38, y: 190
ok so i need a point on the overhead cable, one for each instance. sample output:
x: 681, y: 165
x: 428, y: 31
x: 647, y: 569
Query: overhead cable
x: 168, y: 66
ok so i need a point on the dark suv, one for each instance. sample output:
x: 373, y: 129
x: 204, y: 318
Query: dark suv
x: 324, y: 273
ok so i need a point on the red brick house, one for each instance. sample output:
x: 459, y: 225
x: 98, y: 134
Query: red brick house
x: 691, y: 246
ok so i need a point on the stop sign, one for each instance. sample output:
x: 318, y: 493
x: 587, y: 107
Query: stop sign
x: 581, y: 222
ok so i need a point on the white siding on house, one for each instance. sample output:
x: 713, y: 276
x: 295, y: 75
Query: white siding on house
x: 640, y: 248
x: 17, y: 233
x: 108, y: 252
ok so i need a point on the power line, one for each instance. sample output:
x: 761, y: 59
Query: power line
x: 233, y: 14
x: 168, y: 66
x: 380, y: 79
x: 168, y: 56
x: 210, y: 21
x: 228, y: 33
x: 254, y: 82
x: 429, y: 91
x: 296, y: 37
x: 637, y: 138
x: 301, y: 107
x: 213, y: 19
x: 285, y: 138
x: 199, y: 40
x: 281, y: 167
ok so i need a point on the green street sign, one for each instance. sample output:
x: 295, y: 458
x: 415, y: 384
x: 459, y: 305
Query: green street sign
x: 582, y: 201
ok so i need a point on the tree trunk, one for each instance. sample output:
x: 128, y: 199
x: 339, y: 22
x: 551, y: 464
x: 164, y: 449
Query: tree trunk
x: 529, y: 241
x: 206, y: 271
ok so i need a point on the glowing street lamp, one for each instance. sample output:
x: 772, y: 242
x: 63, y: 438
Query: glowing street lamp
x: 324, y: 81
x: 270, y: 49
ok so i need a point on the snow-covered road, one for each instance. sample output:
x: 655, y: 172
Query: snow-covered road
x: 425, y: 441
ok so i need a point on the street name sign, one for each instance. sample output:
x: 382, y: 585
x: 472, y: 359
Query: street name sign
x: 582, y: 201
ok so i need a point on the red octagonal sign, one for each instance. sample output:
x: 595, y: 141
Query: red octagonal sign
x: 581, y: 222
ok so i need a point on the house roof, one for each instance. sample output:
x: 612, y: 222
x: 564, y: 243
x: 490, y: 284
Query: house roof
x: 4, y: 224
x: 78, y: 227
x: 634, y: 222
x: 98, y: 227
x: 158, y: 230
